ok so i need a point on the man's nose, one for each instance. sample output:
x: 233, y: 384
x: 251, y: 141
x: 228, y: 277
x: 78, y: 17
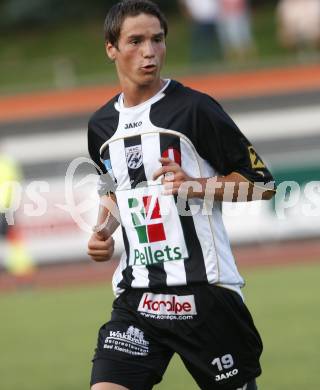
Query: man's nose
x: 148, y: 49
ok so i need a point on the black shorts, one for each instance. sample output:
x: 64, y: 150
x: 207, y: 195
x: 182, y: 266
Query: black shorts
x: 208, y: 326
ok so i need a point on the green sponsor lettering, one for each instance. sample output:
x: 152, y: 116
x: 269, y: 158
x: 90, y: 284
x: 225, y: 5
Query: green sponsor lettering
x: 136, y: 256
x: 143, y: 259
x: 177, y: 252
x: 158, y: 255
x: 148, y: 257
x: 168, y: 250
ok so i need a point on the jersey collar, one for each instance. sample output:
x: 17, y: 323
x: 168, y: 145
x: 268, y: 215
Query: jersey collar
x: 119, y: 105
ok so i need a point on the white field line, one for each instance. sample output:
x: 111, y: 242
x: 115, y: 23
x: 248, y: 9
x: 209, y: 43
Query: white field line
x: 257, y: 126
x: 280, y: 123
x: 41, y: 148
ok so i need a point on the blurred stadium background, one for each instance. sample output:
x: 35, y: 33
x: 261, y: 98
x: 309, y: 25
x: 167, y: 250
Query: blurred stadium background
x: 53, y: 75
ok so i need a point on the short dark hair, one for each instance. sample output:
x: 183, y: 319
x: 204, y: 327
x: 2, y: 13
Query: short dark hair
x: 120, y: 11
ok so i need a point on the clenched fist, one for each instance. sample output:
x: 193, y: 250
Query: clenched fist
x: 101, y: 246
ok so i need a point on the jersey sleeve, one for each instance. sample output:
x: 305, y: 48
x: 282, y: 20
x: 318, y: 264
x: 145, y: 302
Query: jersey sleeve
x: 96, y: 138
x: 222, y: 144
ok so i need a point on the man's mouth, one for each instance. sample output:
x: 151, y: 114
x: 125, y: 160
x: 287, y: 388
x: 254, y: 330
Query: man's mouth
x: 149, y: 67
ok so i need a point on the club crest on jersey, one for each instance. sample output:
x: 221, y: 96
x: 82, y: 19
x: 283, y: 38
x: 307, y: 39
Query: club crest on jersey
x: 134, y: 156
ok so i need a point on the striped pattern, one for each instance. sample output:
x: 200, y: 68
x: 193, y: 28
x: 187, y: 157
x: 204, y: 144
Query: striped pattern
x: 134, y: 159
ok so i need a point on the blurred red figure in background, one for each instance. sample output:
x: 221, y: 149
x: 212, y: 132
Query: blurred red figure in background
x: 235, y: 28
x: 299, y: 23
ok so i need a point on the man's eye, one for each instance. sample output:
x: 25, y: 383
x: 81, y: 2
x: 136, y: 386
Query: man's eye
x: 134, y: 42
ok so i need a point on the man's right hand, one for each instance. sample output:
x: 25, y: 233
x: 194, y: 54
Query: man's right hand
x: 101, y: 246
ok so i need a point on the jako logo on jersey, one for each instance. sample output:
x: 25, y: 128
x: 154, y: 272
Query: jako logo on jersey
x: 227, y: 375
x: 134, y: 156
x: 173, y: 154
x: 132, y: 125
x: 167, y: 304
x: 149, y: 227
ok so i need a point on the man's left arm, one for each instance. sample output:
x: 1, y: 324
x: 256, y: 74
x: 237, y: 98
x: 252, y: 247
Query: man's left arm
x: 230, y: 188
x: 240, y: 173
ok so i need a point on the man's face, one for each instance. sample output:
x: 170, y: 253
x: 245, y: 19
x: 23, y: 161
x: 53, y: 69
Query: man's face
x: 140, y: 52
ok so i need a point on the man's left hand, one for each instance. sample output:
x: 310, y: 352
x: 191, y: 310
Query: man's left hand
x: 173, y: 177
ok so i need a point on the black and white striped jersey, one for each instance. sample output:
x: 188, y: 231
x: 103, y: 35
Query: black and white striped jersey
x: 168, y: 241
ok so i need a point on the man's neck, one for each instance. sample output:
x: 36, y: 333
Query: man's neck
x: 133, y: 95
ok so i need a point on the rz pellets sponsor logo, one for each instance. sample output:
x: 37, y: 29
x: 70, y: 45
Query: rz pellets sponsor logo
x: 149, y: 227
x: 152, y: 232
x: 160, y: 306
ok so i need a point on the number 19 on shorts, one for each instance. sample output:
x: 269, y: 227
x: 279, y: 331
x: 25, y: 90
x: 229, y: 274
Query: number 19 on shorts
x: 224, y: 363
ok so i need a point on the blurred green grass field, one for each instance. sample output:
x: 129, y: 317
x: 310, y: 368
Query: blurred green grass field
x: 47, y: 336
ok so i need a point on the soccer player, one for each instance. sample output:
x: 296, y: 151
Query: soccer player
x: 172, y: 156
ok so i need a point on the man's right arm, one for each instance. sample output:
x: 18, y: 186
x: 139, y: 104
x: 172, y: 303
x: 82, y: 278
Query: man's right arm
x: 101, y: 243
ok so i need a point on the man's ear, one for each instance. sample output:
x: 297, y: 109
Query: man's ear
x: 111, y: 51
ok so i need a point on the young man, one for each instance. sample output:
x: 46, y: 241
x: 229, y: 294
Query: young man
x: 177, y: 285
